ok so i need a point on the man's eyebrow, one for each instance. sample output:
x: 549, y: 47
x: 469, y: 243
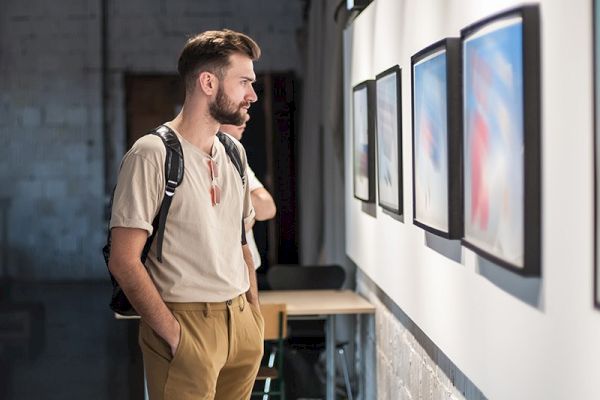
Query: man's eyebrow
x: 251, y: 79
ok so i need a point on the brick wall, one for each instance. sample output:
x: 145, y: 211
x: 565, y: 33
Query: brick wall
x: 406, y: 364
x: 51, y: 138
x: 51, y: 152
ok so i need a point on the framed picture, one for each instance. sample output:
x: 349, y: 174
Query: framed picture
x: 596, y: 25
x: 436, y: 133
x: 389, y: 139
x: 363, y: 96
x: 501, y: 138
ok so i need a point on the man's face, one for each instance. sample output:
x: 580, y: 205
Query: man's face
x: 235, y: 92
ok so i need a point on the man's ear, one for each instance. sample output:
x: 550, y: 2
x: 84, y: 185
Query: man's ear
x: 207, y: 82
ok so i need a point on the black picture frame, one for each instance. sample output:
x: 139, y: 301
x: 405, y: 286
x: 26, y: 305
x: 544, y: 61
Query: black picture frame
x: 452, y: 133
x: 596, y: 76
x: 394, y: 73
x: 526, y: 233
x: 364, y: 119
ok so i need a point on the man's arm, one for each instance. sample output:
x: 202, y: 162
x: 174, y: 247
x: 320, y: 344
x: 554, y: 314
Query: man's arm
x: 125, y: 265
x: 264, y: 206
x: 252, y: 293
x: 263, y: 203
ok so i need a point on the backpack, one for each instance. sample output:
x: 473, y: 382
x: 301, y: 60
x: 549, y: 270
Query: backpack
x: 174, y: 168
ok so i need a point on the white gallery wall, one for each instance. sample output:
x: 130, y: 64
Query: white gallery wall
x: 513, y: 337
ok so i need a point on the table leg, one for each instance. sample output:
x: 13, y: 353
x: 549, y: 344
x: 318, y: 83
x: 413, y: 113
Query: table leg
x: 145, y: 386
x: 368, y: 362
x: 330, y: 356
x: 359, y: 362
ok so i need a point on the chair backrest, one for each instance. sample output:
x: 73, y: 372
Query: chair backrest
x: 304, y: 277
x: 275, y: 317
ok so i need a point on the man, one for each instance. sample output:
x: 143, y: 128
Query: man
x: 201, y: 332
x: 262, y: 201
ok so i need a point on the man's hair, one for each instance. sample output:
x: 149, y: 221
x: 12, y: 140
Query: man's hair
x: 209, y: 51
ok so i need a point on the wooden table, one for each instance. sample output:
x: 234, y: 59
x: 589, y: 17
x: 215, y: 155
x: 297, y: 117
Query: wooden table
x: 321, y: 304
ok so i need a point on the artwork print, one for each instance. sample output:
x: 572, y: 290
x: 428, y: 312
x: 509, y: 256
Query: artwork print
x: 494, y: 141
x: 430, y: 141
x: 363, y: 138
x: 389, y: 138
x: 500, y: 148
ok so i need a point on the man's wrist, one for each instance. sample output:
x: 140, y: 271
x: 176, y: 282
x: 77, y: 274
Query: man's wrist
x: 252, y: 297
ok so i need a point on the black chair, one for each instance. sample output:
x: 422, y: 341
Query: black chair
x: 305, y: 277
x: 308, y: 277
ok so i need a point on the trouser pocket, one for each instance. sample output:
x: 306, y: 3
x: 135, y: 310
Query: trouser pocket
x: 153, y: 343
x: 258, y: 318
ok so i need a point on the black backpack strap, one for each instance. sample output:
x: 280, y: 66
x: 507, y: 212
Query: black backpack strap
x: 244, y: 240
x: 174, y: 168
x: 234, y: 154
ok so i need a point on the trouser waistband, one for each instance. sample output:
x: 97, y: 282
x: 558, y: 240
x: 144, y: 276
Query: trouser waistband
x: 209, y: 306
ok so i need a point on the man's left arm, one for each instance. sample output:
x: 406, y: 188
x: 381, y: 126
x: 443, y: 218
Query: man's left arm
x: 252, y: 293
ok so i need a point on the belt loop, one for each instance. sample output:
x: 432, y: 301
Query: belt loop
x: 207, y: 310
x: 242, y: 302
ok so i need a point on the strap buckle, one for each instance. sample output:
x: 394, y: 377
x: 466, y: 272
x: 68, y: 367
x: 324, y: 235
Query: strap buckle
x: 170, y: 188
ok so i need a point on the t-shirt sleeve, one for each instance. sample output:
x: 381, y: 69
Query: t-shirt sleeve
x: 138, y: 192
x: 253, y: 181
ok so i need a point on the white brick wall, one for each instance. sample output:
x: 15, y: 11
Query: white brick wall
x: 407, y: 365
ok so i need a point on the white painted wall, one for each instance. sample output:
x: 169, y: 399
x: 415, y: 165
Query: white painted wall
x: 515, y: 338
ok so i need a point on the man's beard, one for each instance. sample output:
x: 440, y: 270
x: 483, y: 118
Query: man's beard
x: 224, y: 111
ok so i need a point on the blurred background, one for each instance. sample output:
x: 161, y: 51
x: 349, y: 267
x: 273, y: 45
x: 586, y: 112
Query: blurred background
x: 80, y: 81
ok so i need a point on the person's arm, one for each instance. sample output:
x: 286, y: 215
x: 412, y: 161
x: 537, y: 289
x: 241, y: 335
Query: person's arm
x: 125, y: 265
x: 252, y: 293
x: 263, y: 203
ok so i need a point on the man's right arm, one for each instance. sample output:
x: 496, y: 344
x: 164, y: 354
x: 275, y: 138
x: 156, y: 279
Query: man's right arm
x: 125, y: 265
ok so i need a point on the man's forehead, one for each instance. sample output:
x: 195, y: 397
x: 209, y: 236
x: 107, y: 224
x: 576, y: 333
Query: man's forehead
x: 241, y: 66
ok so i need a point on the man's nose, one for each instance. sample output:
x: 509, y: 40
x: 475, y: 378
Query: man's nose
x: 251, y: 95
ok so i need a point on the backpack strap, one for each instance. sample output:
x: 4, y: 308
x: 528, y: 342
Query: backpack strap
x: 234, y: 155
x: 174, y: 168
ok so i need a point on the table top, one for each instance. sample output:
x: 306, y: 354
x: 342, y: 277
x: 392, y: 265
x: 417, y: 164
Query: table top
x: 318, y: 302
x: 312, y: 302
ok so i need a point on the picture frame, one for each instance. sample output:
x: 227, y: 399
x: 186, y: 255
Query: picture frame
x: 436, y: 138
x: 388, y: 90
x: 363, y: 140
x: 501, y: 137
x: 596, y: 76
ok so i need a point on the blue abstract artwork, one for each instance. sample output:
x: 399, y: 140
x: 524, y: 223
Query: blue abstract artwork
x: 431, y: 141
x: 493, y: 141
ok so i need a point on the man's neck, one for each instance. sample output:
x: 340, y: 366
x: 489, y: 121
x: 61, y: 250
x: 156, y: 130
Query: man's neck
x: 196, y: 125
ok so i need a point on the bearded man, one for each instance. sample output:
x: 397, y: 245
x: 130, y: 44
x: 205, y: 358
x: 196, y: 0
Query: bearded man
x: 201, y: 331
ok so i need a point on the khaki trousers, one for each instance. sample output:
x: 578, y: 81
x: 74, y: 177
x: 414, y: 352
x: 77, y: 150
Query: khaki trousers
x: 218, y: 357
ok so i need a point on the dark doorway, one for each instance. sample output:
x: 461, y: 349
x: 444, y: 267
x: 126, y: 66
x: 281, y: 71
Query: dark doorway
x: 150, y: 100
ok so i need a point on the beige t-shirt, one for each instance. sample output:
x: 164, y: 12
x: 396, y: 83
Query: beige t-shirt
x: 202, y: 258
